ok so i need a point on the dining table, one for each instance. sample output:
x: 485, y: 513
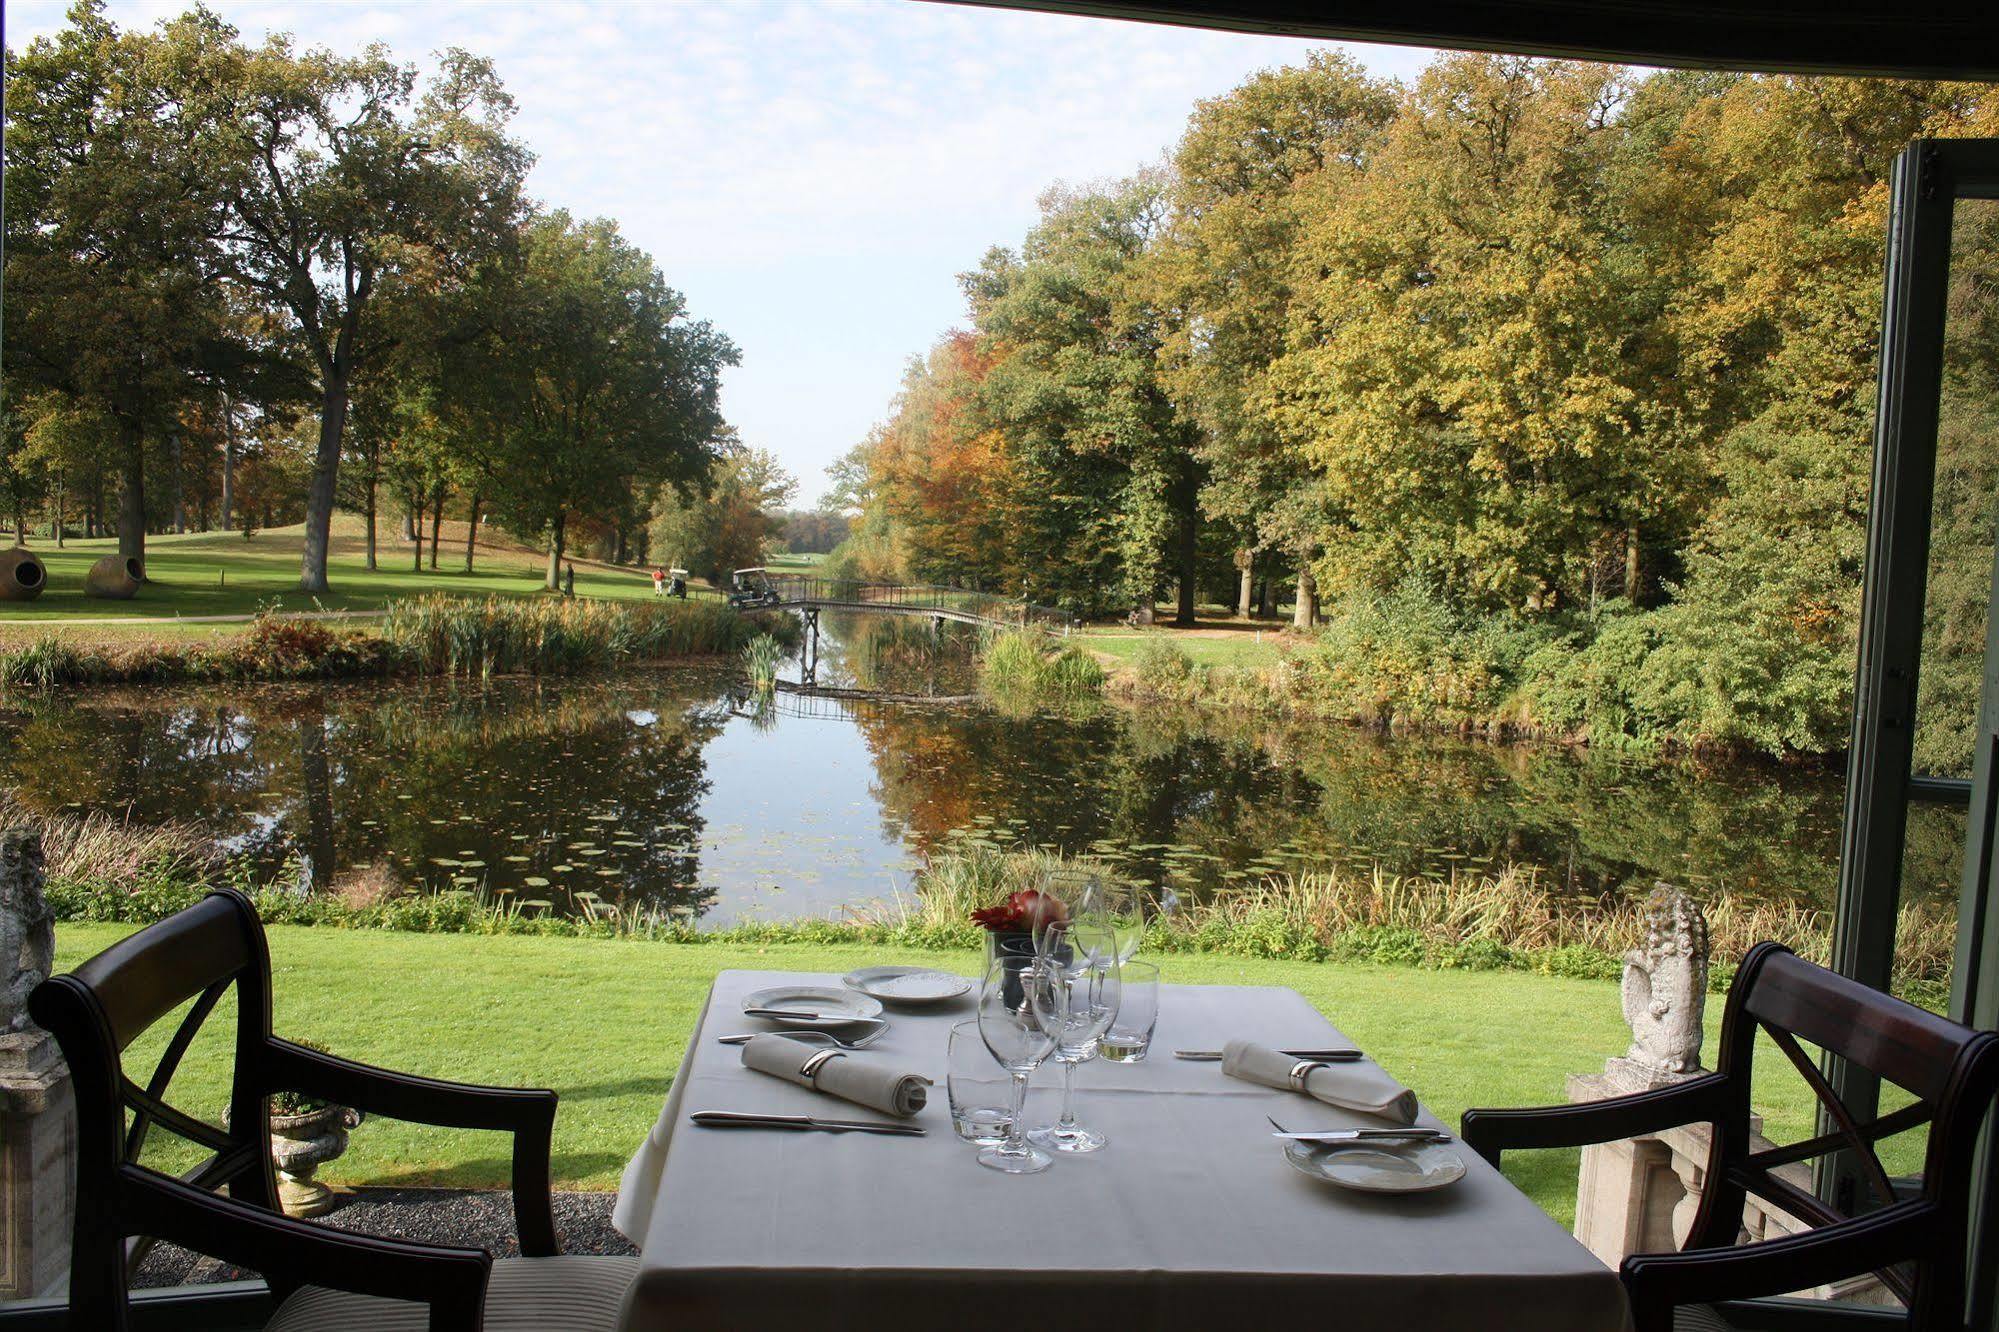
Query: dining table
x: 1189, y: 1217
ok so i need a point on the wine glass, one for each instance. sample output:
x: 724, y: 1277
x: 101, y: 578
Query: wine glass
x: 1129, y: 907
x: 1078, y: 1005
x: 1014, y: 998
x: 1072, y: 914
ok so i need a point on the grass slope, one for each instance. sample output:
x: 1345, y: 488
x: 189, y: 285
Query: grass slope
x: 222, y: 573
x: 1204, y: 647
x: 604, y: 1023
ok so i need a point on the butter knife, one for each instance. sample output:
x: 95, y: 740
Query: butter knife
x: 801, y: 1123
x: 1323, y: 1056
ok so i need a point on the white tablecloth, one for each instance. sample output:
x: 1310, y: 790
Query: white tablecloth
x: 1190, y: 1218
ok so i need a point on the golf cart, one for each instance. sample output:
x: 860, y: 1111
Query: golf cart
x: 752, y: 588
x: 676, y: 583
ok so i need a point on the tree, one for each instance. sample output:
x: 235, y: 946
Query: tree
x: 111, y: 207
x: 732, y: 522
x: 1251, y: 167
x: 343, y: 185
x: 607, y: 385
x: 1105, y: 462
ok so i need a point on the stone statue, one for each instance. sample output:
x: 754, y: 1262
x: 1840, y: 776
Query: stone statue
x: 27, y: 927
x: 1665, y: 987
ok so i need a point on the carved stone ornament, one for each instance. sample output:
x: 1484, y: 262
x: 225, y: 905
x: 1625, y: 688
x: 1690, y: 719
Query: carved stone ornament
x: 1665, y: 987
x: 27, y: 927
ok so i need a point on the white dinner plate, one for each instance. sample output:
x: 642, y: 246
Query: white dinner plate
x: 837, y: 1008
x: 910, y: 987
x: 1413, y: 1167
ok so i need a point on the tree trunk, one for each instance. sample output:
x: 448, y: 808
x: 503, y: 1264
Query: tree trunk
x: 228, y: 465
x: 325, y: 475
x: 1306, y: 613
x: 369, y: 493
x: 180, y: 484
x: 471, y: 531
x: 1245, y: 586
x: 436, y: 522
x: 61, y: 497
x: 1190, y: 548
x: 132, y: 495
x: 413, y: 519
x: 409, y: 527
x: 556, y: 532
x: 1631, y: 564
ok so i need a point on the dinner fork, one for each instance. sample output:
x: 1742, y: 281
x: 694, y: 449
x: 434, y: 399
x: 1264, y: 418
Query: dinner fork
x: 825, y: 1038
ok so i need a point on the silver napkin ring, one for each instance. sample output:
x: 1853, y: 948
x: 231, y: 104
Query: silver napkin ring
x: 1299, y: 1072
x: 809, y: 1070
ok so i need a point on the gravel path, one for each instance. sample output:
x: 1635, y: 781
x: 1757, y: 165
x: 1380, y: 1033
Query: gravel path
x: 479, y: 1219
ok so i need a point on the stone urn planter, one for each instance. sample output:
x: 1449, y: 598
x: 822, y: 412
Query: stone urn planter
x: 302, y: 1141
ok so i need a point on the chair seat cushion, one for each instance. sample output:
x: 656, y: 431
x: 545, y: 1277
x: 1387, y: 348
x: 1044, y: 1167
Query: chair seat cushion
x: 566, y: 1294
x: 1700, y: 1318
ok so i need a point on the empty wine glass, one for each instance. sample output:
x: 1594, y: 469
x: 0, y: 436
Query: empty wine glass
x: 1078, y: 1004
x: 1015, y: 1000
x: 1130, y: 907
x: 1074, y: 926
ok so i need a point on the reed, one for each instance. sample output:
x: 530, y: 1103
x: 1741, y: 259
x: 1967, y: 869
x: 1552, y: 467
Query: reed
x: 101, y: 848
x: 441, y: 635
x: 760, y: 659
x: 1508, y: 918
x: 1022, y: 666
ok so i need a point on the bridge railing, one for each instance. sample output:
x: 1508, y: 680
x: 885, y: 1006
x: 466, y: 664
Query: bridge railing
x: 794, y: 588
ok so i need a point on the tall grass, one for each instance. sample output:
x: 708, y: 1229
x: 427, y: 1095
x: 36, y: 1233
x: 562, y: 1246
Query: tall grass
x: 100, y: 848
x: 1507, y: 919
x: 1023, y: 667
x: 441, y: 635
x: 760, y: 660
x: 431, y: 635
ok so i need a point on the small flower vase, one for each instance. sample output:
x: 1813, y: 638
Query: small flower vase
x: 1008, y: 943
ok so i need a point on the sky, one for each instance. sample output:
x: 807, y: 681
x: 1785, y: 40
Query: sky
x: 813, y: 176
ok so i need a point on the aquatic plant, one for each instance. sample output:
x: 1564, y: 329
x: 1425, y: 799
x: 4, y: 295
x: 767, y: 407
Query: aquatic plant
x: 442, y: 635
x: 46, y: 663
x: 1024, y: 666
x: 760, y: 659
x: 100, y: 848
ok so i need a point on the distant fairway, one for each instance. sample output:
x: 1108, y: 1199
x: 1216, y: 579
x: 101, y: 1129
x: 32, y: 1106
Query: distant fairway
x: 221, y: 573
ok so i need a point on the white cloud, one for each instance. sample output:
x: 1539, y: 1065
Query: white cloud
x: 812, y: 175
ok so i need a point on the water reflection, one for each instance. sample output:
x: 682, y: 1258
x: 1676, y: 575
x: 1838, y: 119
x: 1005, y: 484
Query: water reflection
x: 661, y: 789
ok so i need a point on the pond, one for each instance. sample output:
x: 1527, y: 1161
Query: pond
x: 673, y: 790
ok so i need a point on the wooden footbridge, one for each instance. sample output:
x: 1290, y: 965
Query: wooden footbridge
x: 985, y: 609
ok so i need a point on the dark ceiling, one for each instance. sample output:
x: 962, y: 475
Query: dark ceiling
x: 1956, y: 39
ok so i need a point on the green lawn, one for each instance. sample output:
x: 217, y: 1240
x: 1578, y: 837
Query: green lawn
x: 604, y: 1023
x: 1234, y: 649
x: 222, y: 573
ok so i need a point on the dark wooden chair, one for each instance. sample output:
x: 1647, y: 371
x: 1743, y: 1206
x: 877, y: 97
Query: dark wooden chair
x: 320, y: 1277
x: 1916, y: 1245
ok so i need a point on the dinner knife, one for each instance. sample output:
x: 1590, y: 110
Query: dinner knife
x: 1368, y: 1135
x: 801, y: 1123
x: 1323, y: 1056
x: 798, y: 1016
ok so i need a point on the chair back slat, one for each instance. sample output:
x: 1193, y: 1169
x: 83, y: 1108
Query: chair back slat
x: 1951, y: 1069
x: 96, y: 1012
x: 144, y: 976
x: 1906, y: 1045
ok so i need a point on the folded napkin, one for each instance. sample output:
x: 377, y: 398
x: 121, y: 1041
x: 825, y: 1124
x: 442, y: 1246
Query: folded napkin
x: 849, y: 1076
x: 1359, y: 1086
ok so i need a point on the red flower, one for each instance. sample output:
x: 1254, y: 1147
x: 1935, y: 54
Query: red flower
x: 1025, y: 910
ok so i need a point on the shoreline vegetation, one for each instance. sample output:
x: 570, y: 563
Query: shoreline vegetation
x: 102, y: 869
x: 433, y: 635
